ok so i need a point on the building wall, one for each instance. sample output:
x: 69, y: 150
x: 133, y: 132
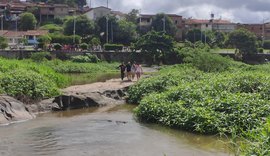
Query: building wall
x: 61, y: 11
x: 99, y: 12
x: 224, y: 27
x: 267, y: 31
x: 257, y: 29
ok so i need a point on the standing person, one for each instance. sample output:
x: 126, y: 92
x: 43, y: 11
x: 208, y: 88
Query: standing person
x: 133, y: 70
x: 122, y: 70
x: 139, y: 71
x: 128, y: 67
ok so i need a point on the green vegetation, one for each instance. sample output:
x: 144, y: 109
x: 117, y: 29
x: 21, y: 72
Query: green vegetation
x: 28, y: 80
x: 116, y: 47
x: 39, y: 56
x: 52, y: 28
x: 209, y: 95
x: 72, y: 67
x: 27, y: 21
x: 156, y: 46
x: 38, y: 78
x: 3, y: 43
x: 243, y: 40
x: 86, y: 59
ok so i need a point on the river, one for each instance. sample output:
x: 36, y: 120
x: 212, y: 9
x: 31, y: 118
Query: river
x: 95, y: 132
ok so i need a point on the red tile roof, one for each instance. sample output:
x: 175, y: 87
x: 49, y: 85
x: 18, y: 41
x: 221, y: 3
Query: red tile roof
x: 7, y: 33
x: 203, y: 21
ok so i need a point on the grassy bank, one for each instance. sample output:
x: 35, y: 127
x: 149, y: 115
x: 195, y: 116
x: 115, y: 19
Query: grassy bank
x: 28, y: 80
x: 203, y: 97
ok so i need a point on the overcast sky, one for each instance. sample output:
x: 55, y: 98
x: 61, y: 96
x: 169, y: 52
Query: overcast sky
x: 243, y: 11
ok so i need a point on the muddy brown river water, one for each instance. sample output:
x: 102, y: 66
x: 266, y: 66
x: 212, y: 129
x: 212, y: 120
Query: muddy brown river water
x: 94, y: 132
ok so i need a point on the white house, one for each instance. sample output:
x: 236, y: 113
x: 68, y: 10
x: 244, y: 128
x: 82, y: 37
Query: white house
x: 98, y: 12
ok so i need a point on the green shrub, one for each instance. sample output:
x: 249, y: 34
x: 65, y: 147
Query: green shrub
x: 258, y: 142
x: 40, y: 56
x: 162, y: 82
x: 266, y: 44
x: 116, y: 47
x: 84, y: 46
x: 85, y: 59
x: 213, y: 104
x: 57, y: 46
x: 63, y: 39
x: 260, y: 50
x: 27, y: 84
x: 72, y: 67
x: 203, y: 60
x: 26, y: 79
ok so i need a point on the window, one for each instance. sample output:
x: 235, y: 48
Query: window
x: 148, y: 20
x: 176, y: 22
x: 31, y: 37
x: 206, y: 25
x: 195, y: 25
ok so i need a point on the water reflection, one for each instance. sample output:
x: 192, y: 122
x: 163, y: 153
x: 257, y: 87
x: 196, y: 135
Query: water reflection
x: 89, y: 132
x: 43, y: 141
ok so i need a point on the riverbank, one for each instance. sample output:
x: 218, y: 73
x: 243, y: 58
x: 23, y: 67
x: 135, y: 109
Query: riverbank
x: 99, y: 94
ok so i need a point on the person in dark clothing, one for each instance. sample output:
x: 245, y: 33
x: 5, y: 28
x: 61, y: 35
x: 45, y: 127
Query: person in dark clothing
x: 122, y: 70
x: 128, y: 66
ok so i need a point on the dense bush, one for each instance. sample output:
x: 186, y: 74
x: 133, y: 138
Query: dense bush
x: 39, y: 56
x: 63, y: 39
x: 205, y: 102
x: 86, y: 59
x: 266, y: 44
x: 204, y: 60
x: 258, y: 143
x: 57, y: 46
x: 27, y: 84
x: 84, y: 46
x: 162, y: 82
x: 25, y: 79
x: 116, y: 47
x: 72, y: 67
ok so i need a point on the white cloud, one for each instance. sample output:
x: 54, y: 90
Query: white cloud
x: 246, y: 11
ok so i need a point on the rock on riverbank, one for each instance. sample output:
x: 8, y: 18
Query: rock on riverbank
x: 12, y: 110
x: 111, y: 92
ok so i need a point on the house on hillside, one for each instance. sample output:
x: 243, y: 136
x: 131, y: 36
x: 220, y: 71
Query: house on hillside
x: 145, y: 21
x: 210, y: 25
x: 14, y: 37
x: 257, y: 29
x: 98, y: 12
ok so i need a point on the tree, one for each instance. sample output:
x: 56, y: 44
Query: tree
x: 44, y: 40
x: 125, y: 32
x: 132, y: 16
x: 52, y: 28
x: 196, y: 35
x: 156, y: 46
x: 243, y: 40
x: 27, y: 21
x: 84, y: 27
x: 158, y: 24
x: 101, y: 28
x: 3, y: 43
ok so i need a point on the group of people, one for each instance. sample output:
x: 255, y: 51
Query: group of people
x: 130, y: 70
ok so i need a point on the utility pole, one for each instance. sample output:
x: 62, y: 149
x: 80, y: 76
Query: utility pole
x: 112, y: 31
x: 2, y: 22
x: 107, y: 3
x: 107, y: 29
x: 74, y: 27
x: 164, y: 24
